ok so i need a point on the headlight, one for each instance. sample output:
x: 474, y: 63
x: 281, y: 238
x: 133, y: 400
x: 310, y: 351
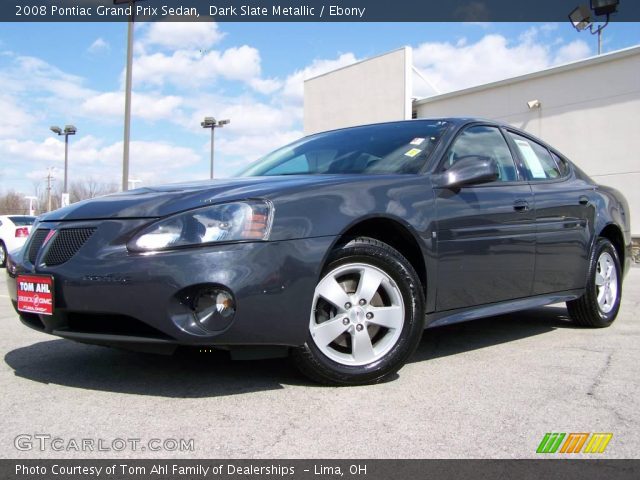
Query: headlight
x: 228, y: 222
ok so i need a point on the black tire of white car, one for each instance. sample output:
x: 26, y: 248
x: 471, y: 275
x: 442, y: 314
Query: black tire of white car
x: 400, y: 275
x: 586, y: 310
x: 3, y: 254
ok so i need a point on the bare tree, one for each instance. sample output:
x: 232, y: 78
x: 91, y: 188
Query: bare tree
x: 13, y: 203
x: 90, y: 188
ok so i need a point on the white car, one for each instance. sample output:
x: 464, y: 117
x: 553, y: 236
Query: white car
x: 14, y: 230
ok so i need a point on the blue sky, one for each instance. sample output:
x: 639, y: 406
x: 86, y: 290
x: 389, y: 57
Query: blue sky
x: 55, y: 73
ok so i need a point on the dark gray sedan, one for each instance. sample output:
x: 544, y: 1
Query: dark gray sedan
x: 339, y: 249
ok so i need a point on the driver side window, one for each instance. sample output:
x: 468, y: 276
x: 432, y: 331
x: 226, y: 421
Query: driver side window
x: 483, y: 142
x: 296, y: 165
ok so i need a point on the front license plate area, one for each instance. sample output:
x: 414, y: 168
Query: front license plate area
x: 35, y: 294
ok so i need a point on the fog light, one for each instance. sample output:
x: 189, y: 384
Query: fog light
x: 214, y: 309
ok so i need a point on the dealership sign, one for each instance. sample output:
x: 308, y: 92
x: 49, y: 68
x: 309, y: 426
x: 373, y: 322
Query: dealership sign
x: 35, y: 294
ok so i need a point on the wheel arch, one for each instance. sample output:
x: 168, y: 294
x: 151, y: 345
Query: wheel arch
x: 395, y: 234
x: 613, y: 233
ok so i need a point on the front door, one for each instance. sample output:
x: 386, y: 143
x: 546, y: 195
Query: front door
x: 485, y: 233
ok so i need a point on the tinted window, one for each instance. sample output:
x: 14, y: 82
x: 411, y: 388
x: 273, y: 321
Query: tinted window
x: 386, y: 148
x: 563, y: 166
x: 536, y: 158
x: 22, y: 221
x: 484, y: 143
x: 290, y: 167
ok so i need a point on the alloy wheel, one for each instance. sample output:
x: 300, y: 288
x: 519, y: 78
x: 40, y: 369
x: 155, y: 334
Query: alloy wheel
x: 357, y: 315
x: 606, y: 279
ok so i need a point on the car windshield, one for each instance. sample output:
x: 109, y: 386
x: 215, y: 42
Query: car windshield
x: 402, y: 147
x: 22, y: 220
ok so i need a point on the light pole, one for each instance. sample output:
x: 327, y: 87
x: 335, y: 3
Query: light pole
x: 49, y: 180
x: 127, y: 93
x: 210, y: 122
x: 68, y: 130
x: 581, y: 17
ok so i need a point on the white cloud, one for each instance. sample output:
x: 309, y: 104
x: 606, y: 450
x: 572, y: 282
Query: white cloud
x: 31, y: 73
x: 180, y: 54
x: 265, y: 85
x: 98, y: 46
x: 255, y: 118
x: 572, y: 51
x: 180, y: 35
x: 294, y: 85
x: 190, y: 68
x: 49, y: 150
x: 252, y: 147
x: 15, y: 120
x: 455, y: 66
x: 146, y: 106
x: 150, y: 161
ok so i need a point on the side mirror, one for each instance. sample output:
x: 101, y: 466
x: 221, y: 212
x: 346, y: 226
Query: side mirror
x: 471, y: 170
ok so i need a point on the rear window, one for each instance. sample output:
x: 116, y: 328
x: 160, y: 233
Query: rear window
x: 22, y: 220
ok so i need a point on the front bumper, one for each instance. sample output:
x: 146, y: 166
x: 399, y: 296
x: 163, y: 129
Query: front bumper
x: 107, y: 295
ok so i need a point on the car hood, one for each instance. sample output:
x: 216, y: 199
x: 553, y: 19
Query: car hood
x: 165, y: 200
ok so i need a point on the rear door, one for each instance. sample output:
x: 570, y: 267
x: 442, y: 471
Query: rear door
x: 486, y: 233
x: 564, y: 215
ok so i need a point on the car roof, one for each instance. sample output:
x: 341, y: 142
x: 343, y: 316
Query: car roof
x: 457, y: 122
x: 452, y: 120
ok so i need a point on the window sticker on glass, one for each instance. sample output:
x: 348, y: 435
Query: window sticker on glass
x: 531, y: 159
x: 417, y: 141
x: 413, y: 152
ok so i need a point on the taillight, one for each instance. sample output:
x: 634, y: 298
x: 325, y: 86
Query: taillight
x: 22, y: 232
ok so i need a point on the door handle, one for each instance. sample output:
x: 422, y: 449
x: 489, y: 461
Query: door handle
x: 583, y: 200
x: 521, y: 205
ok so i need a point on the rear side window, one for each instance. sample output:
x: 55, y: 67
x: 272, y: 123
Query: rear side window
x: 537, y: 159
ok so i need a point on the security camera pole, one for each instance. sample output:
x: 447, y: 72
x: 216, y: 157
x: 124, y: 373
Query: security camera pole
x: 68, y: 130
x: 210, y: 122
x: 582, y: 19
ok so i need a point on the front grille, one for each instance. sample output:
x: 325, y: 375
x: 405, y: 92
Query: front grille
x: 66, y: 243
x: 36, y: 243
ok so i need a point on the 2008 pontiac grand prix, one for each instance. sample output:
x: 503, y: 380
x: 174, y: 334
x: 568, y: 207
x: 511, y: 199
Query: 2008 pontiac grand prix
x: 339, y: 249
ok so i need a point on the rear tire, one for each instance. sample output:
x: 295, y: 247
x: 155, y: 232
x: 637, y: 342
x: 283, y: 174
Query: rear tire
x: 3, y: 254
x: 599, y: 305
x: 367, y: 316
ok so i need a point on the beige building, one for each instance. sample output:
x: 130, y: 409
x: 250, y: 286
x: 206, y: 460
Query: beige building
x: 385, y: 78
x: 589, y: 109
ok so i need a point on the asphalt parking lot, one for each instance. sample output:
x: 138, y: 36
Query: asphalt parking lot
x: 484, y: 389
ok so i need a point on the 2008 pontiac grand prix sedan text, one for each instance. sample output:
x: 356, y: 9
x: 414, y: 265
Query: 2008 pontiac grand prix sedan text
x: 339, y: 248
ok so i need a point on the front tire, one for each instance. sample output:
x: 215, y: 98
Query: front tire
x: 367, y: 316
x: 600, y: 304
